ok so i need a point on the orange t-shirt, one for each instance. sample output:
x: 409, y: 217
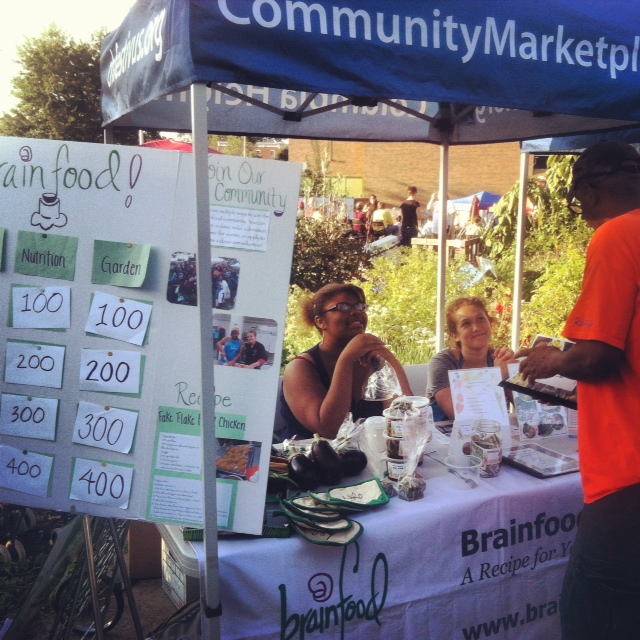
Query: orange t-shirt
x: 608, y: 310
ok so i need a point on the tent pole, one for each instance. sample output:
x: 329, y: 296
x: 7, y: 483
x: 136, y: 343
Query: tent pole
x: 442, y: 242
x: 211, y: 606
x: 520, y: 239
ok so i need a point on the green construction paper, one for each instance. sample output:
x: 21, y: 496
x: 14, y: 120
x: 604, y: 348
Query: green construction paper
x: 120, y: 263
x: 46, y: 255
x: 229, y: 425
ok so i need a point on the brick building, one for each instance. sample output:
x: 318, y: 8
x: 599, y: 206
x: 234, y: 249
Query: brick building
x: 387, y: 168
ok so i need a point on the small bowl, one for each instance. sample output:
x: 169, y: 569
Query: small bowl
x: 466, y: 467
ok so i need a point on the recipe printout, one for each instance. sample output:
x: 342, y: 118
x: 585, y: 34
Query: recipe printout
x: 100, y: 396
x: 476, y: 394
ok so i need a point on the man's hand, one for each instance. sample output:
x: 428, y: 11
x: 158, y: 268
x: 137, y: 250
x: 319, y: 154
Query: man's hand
x: 540, y: 362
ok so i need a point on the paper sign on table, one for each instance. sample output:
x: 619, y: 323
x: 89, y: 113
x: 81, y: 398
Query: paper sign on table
x: 119, y: 263
x: 45, y: 254
x: 476, y: 394
x: 119, y: 318
x: 41, y: 307
x: 99, y: 482
x: 25, y: 471
x: 28, y: 417
x: 104, y: 427
x: 40, y: 365
x: 110, y: 371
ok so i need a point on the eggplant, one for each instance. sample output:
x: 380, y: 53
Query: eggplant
x: 303, y: 471
x: 353, y: 462
x: 327, y: 460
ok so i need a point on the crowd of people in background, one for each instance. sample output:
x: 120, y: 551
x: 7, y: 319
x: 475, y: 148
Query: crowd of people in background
x: 373, y: 220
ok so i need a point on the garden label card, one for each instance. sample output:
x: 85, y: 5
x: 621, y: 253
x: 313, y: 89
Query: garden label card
x: 120, y: 263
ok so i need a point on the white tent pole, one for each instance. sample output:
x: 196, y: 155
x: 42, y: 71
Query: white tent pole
x: 442, y: 242
x: 211, y: 614
x: 520, y: 238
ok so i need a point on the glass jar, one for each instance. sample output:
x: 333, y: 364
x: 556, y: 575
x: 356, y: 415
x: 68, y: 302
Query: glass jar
x: 486, y: 444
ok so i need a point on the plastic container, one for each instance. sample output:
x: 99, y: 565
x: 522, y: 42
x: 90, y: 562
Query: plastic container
x: 375, y: 428
x: 465, y: 467
x: 426, y: 413
x: 486, y: 444
x: 395, y: 467
x: 460, y: 440
x: 394, y: 447
x: 180, y: 571
x: 395, y: 421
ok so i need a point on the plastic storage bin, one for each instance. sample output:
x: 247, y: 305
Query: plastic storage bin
x: 180, y: 571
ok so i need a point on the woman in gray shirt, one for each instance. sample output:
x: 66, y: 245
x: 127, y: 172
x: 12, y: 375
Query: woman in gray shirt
x: 470, y: 327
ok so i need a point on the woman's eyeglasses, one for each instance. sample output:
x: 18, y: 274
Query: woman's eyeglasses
x: 347, y: 307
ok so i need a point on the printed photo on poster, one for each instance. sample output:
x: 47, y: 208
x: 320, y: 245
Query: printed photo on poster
x: 238, y: 459
x: 225, y: 274
x: 245, y: 342
x: 181, y: 284
x: 182, y: 280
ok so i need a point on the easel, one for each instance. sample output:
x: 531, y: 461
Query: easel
x: 100, y: 552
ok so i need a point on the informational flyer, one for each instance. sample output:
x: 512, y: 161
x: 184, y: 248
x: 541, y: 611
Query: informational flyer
x: 100, y: 353
x: 476, y: 394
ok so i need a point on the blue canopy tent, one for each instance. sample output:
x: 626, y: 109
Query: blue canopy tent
x: 575, y: 144
x: 354, y: 70
x: 485, y: 200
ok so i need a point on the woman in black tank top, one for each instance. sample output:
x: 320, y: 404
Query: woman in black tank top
x: 322, y: 385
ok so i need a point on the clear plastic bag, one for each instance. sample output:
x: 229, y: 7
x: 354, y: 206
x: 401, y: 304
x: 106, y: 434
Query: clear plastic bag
x: 411, y: 485
x: 383, y: 383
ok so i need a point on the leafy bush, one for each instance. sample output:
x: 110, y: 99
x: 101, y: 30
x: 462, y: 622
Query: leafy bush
x: 401, y: 290
x: 326, y: 251
x: 401, y: 285
x: 555, y: 293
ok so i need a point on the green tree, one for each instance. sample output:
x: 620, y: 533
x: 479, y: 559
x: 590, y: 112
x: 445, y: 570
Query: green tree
x: 58, y: 91
x: 325, y: 251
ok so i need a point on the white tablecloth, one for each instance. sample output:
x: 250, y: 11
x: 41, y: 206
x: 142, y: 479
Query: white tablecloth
x: 459, y: 564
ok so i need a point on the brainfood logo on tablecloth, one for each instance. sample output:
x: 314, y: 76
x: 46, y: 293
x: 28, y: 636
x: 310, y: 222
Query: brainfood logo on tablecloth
x: 543, y: 527
x: 348, y: 607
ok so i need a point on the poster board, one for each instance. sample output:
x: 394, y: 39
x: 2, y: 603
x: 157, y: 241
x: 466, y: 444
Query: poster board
x: 100, y: 350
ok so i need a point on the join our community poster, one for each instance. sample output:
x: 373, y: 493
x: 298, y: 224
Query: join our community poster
x: 99, y: 347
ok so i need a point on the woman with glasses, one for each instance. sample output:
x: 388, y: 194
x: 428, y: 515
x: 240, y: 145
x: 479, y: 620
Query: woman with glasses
x: 322, y: 385
x: 470, y: 327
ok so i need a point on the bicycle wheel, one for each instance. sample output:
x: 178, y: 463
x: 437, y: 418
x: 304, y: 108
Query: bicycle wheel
x: 110, y: 598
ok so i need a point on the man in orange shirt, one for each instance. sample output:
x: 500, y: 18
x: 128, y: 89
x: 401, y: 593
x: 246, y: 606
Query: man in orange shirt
x: 601, y: 591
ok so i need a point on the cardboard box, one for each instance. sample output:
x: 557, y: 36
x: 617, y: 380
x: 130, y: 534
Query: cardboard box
x: 144, y: 557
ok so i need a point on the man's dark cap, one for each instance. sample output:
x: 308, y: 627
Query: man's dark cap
x: 607, y: 156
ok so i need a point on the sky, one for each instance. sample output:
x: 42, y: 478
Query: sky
x: 30, y: 18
